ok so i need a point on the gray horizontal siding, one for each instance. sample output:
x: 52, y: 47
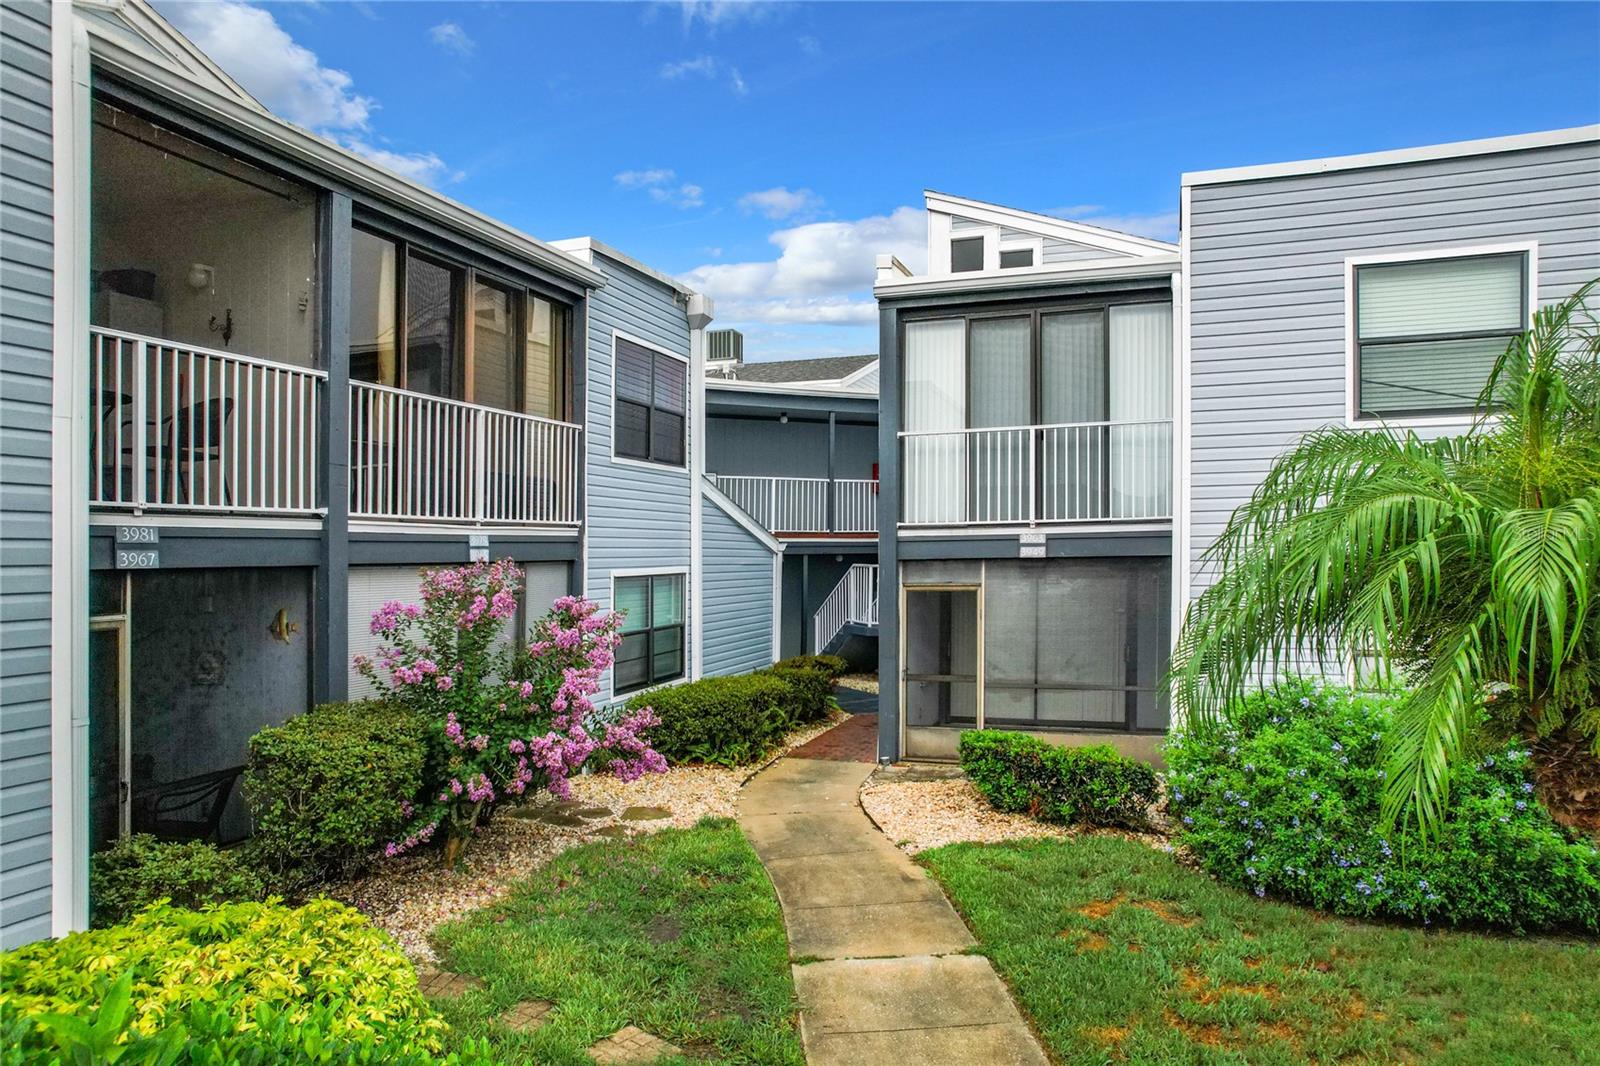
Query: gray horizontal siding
x: 792, y: 449
x: 1266, y: 282
x: 26, y: 282
x: 638, y: 516
x: 737, y: 594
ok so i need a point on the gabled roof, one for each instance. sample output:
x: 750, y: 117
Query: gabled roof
x: 1114, y: 242
x: 137, y: 26
x: 836, y: 368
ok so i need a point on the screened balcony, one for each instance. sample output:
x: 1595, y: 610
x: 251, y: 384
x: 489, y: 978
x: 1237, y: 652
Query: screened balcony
x: 1044, y: 417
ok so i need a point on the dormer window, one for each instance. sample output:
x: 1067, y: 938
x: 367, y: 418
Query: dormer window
x: 1015, y: 257
x: 966, y: 254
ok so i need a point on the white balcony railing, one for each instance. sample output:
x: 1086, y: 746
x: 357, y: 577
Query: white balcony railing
x: 174, y: 427
x: 853, y: 600
x: 800, y: 504
x: 419, y: 458
x: 1024, y: 475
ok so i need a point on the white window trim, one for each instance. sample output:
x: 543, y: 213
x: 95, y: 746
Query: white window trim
x: 1018, y: 244
x: 989, y: 235
x: 689, y: 383
x: 654, y: 571
x: 1352, y: 417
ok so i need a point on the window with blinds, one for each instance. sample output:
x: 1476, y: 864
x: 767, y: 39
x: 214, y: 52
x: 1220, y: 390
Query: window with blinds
x: 1428, y: 332
x: 651, y: 404
x: 651, y: 651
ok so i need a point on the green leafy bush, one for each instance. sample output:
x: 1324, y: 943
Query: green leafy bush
x: 329, y: 787
x: 725, y: 721
x: 136, y: 872
x: 810, y: 692
x: 318, y: 974
x: 833, y: 665
x: 1283, y: 796
x: 1094, y: 785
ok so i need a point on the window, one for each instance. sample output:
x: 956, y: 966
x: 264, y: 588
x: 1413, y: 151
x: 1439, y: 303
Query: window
x: 651, y: 651
x: 1428, y: 332
x: 1015, y: 257
x: 652, y: 395
x: 966, y: 253
x: 466, y: 335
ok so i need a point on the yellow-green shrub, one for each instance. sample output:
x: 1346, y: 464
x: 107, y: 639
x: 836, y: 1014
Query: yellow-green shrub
x: 323, y: 963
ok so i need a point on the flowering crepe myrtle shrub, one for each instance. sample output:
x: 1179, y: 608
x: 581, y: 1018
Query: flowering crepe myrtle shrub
x: 506, y: 718
x: 1284, y: 797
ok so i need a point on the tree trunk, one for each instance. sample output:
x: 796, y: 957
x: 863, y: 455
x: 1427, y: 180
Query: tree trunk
x: 1567, y: 775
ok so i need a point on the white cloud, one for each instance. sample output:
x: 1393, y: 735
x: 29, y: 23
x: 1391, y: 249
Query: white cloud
x: 700, y: 66
x: 452, y: 38
x: 704, y: 66
x: 249, y: 44
x: 424, y: 167
x: 663, y: 186
x: 714, y: 14
x: 781, y: 202
x: 809, y: 45
x: 822, y: 275
x: 1160, y: 225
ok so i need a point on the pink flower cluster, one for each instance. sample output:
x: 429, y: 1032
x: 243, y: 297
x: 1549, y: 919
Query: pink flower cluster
x: 507, y: 722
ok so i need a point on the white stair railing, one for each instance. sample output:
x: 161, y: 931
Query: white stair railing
x: 853, y: 600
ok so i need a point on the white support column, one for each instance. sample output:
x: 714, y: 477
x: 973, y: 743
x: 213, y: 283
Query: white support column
x: 69, y: 454
x: 700, y: 314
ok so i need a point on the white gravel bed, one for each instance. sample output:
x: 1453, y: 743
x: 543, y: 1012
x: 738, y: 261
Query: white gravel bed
x: 919, y: 815
x: 409, y: 896
x: 859, y: 682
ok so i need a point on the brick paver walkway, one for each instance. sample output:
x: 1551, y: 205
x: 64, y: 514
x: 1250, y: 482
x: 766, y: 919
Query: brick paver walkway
x: 853, y: 740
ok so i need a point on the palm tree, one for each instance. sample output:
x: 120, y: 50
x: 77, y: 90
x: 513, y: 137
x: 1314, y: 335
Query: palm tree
x: 1469, y: 564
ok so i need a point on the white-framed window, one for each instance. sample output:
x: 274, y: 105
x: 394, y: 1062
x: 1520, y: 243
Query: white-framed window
x: 966, y: 253
x: 652, y: 648
x: 649, y: 403
x: 1425, y: 329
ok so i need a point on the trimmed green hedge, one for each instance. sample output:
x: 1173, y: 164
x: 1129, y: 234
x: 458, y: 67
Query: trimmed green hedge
x: 328, y: 787
x: 833, y: 665
x: 1094, y: 785
x: 732, y: 721
x: 134, y: 873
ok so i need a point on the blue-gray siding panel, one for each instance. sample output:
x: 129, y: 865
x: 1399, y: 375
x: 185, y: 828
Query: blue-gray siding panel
x: 1267, y: 300
x: 737, y: 592
x: 26, y: 282
x: 638, y: 515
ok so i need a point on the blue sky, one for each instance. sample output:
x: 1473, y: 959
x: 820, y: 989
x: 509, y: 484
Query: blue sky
x: 766, y: 151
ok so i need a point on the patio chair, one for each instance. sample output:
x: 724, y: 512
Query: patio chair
x: 206, y: 422
x: 187, y: 809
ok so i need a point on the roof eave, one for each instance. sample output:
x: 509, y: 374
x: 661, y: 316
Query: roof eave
x: 1152, y: 266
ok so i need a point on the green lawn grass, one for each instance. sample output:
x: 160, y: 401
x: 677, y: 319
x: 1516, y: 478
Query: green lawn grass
x: 1120, y: 954
x: 678, y: 933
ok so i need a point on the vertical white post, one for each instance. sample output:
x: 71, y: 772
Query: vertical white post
x: 140, y: 400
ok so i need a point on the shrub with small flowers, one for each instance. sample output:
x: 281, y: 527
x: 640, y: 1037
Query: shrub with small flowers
x: 507, y: 718
x: 1283, y: 797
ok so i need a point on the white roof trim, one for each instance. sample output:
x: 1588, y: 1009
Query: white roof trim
x: 589, y: 246
x: 788, y: 388
x: 1486, y: 146
x: 188, y: 59
x: 856, y: 375
x: 1045, y: 225
x: 1152, y: 266
x: 321, y: 154
x: 739, y: 515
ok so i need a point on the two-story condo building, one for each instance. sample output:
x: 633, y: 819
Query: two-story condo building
x: 1026, y: 442
x: 794, y: 443
x: 251, y: 383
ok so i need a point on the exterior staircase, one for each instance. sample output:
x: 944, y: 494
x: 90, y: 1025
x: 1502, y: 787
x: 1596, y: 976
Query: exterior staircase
x: 851, y: 609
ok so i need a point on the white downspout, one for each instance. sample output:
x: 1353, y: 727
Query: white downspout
x: 700, y: 311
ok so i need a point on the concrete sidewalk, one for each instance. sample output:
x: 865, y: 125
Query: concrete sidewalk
x: 876, y: 946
